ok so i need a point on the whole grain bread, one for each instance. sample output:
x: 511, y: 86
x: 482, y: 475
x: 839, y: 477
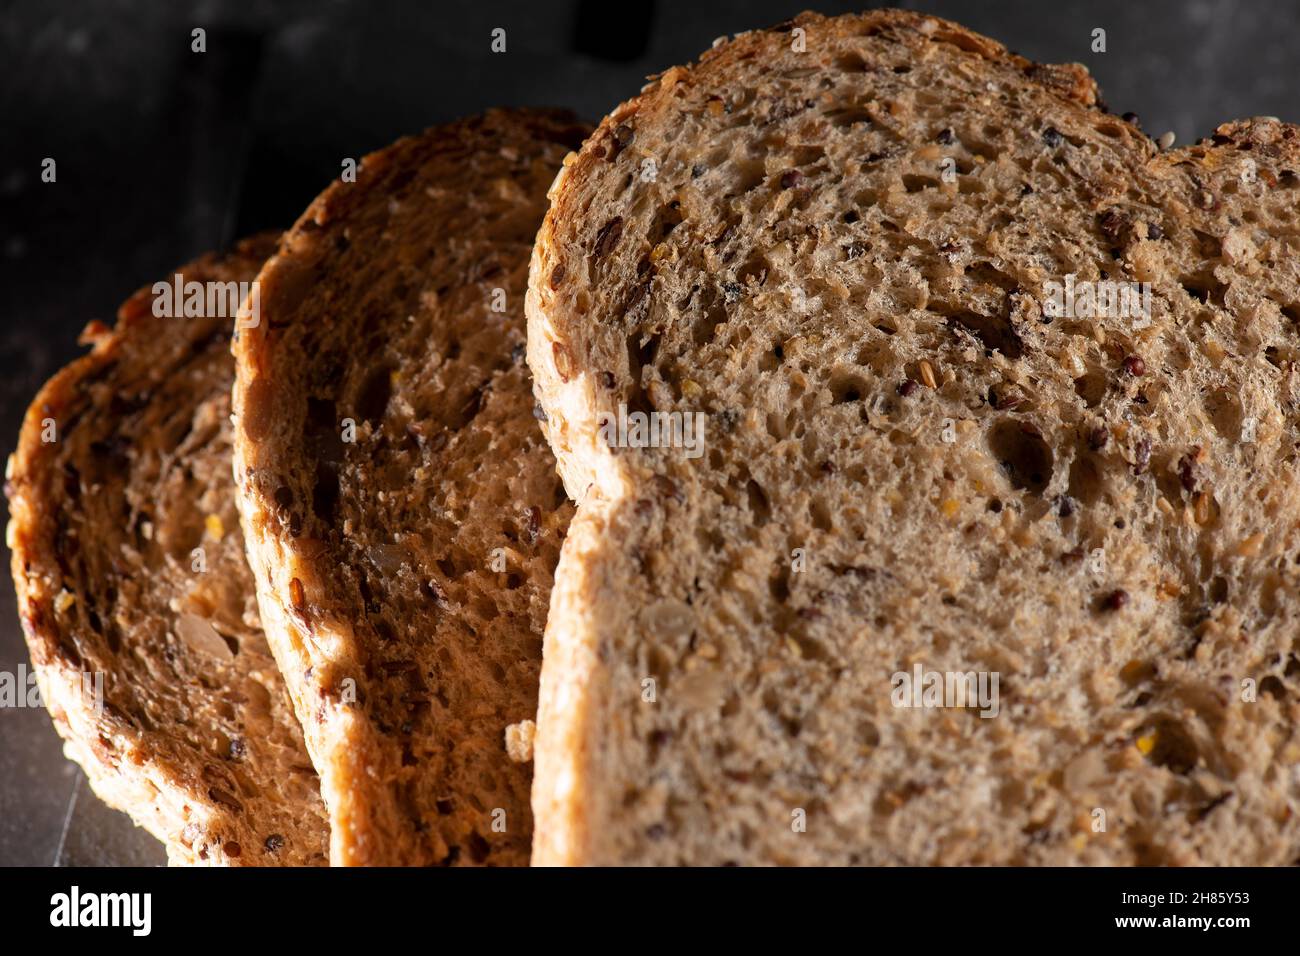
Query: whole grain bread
x: 402, y: 510
x: 136, y: 598
x: 835, y: 240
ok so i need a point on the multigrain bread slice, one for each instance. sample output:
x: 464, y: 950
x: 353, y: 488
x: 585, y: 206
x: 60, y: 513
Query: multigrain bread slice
x: 136, y: 598
x: 841, y: 258
x: 402, y: 510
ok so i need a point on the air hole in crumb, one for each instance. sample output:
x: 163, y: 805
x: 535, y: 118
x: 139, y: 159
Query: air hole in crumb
x: 1091, y: 388
x: 1218, y: 591
x: 372, y: 400
x: 668, y: 218
x: 749, y: 175
x: 325, y: 491
x: 847, y: 116
x: 707, y: 326
x: 1174, y: 747
x: 995, y: 333
x: 756, y: 267
x: 915, y: 184
x: 1086, y: 483
x: 1024, y: 456
x: 810, y: 648
x: 759, y: 506
x: 847, y: 388
x: 821, y: 515
x: 1272, y: 686
x: 779, y: 585
x: 1225, y: 414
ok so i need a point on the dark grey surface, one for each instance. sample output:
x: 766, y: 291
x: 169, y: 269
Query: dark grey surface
x: 163, y: 153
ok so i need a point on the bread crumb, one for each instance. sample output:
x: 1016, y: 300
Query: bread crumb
x: 519, y: 741
x: 64, y: 600
x: 216, y: 530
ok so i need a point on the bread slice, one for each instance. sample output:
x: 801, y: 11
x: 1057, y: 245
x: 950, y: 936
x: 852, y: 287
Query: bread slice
x: 402, y: 509
x: 136, y: 598
x: 835, y: 240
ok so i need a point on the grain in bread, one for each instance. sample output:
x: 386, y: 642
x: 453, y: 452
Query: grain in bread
x: 136, y: 598
x: 835, y: 239
x: 402, y: 510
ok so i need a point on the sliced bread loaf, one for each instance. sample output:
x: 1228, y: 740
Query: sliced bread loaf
x: 963, y: 570
x: 402, y: 510
x: 135, y: 595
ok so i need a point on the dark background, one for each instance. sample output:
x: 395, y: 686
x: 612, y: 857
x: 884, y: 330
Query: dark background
x: 163, y: 154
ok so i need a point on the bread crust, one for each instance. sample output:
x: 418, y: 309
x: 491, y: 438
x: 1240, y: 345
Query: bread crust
x: 618, y: 781
x: 182, y: 744
x: 403, y: 576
